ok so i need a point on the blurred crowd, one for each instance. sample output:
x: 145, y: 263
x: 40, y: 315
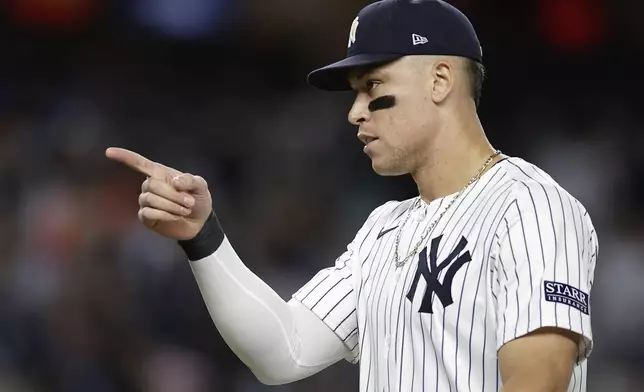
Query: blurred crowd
x: 92, y: 301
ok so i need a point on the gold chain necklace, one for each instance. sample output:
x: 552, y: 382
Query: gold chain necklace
x: 428, y: 231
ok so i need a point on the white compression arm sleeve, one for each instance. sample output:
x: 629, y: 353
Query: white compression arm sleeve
x: 279, y: 342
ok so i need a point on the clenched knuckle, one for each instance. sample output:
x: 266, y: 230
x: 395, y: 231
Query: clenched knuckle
x: 152, y: 186
x: 202, y: 181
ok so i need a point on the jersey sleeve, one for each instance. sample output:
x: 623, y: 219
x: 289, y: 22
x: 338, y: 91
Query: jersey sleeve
x: 330, y: 293
x: 547, y: 248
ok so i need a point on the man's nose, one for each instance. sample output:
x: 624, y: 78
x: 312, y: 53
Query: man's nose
x: 359, y: 112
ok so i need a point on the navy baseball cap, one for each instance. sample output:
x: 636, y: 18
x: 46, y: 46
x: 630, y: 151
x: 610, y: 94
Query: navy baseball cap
x: 390, y: 29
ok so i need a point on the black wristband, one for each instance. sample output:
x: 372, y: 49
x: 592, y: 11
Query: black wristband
x: 206, y: 242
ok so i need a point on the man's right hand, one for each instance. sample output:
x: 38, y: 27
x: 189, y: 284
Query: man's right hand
x: 172, y: 203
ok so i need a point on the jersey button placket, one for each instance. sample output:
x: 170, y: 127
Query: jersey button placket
x: 386, y: 345
x: 397, y: 274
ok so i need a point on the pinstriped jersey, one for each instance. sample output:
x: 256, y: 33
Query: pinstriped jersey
x: 514, y: 253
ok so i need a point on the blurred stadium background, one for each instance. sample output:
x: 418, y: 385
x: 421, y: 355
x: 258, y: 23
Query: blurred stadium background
x: 90, y: 301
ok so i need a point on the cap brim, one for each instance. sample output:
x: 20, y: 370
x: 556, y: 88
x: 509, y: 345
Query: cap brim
x: 335, y: 77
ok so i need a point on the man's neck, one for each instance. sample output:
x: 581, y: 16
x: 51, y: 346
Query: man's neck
x: 450, y: 168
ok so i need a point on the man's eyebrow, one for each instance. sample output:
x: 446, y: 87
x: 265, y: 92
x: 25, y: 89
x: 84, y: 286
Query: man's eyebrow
x: 361, y: 72
x: 369, y: 70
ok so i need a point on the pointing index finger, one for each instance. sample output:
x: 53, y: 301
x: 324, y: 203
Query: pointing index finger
x: 134, y: 161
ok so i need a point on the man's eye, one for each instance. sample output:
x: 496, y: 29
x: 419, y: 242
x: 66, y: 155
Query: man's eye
x: 371, y: 85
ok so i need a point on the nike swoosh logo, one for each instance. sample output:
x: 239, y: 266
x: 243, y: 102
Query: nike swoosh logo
x: 386, y: 231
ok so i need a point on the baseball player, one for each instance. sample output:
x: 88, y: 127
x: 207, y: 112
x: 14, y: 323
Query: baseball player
x: 480, y: 283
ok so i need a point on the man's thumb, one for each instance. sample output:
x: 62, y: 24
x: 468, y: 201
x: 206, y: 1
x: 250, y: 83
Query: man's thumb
x: 189, y: 183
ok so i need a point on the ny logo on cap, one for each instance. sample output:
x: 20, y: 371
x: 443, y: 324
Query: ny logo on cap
x: 352, y: 33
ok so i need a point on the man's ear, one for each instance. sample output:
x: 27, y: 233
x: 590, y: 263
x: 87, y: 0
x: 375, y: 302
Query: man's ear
x: 442, y: 80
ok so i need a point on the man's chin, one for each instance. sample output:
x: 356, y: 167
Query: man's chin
x: 386, y: 170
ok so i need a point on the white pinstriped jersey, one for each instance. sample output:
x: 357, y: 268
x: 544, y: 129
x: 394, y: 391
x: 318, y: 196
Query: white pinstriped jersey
x: 514, y: 253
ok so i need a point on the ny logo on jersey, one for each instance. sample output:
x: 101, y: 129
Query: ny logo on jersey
x: 430, y: 270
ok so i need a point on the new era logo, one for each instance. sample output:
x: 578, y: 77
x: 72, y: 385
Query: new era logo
x: 418, y: 39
